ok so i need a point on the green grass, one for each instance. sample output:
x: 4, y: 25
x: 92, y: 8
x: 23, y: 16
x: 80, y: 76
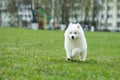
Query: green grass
x: 40, y: 55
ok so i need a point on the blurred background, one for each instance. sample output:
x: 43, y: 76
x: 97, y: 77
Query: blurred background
x: 100, y: 15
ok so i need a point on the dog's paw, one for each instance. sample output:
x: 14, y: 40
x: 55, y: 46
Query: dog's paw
x: 68, y: 59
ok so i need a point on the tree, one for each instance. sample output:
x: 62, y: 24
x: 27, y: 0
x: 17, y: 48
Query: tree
x: 106, y: 20
x: 65, y: 11
x: 97, y: 7
x: 12, y: 8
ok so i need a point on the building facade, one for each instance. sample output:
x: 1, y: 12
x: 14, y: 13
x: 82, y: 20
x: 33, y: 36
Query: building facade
x: 21, y: 17
x: 109, y: 15
x: 25, y: 15
x: 104, y: 13
x: 4, y: 15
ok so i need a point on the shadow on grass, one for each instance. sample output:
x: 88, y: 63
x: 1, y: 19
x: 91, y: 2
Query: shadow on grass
x: 93, y: 62
x: 90, y: 61
x: 85, y: 62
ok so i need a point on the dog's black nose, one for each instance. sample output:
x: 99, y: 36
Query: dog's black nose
x: 72, y: 37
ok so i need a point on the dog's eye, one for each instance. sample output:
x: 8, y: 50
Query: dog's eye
x: 70, y: 32
x: 75, y: 32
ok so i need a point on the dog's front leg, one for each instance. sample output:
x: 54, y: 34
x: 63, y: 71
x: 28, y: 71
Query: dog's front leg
x: 75, y: 51
x: 83, y: 55
x: 68, y: 54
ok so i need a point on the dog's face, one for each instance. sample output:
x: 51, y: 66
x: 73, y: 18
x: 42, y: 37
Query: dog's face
x: 73, y: 31
x: 73, y: 34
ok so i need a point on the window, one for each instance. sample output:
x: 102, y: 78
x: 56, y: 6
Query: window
x: 118, y: 0
x: 110, y: 0
x: 26, y: 16
x: 102, y: 16
x: 118, y: 7
x: 110, y: 24
x: 29, y: 16
x: 110, y: 8
x: 20, y: 17
x: 118, y: 24
x: 110, y: 16
x: 0, y: 5
x: 118, y: 15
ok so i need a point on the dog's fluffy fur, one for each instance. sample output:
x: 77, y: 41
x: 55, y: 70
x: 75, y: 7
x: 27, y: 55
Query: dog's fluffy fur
x: 75, y: 42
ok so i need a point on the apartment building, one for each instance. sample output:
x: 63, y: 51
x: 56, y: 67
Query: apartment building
x: 118, y: 15
x: 4, y: 15
x: 22, y: 17
x: 24, y: 14
x: 109, y: 16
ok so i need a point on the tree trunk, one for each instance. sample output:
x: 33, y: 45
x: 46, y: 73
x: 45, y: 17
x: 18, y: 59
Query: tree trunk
x: 106, y: 20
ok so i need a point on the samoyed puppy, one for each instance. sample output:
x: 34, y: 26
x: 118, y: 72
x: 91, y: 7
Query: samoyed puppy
x: 75, y: 42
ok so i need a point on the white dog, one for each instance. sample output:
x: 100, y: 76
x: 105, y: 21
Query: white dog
x: 75, y: 42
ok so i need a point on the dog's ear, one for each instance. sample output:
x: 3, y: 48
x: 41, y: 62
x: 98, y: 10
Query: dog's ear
x: 78, y: 25
x: 70, y: 24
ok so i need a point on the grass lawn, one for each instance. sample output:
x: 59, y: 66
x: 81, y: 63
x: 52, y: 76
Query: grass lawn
x: 39, y: 55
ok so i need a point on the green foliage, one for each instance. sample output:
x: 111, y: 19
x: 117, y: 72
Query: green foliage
x: 40, y: 55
